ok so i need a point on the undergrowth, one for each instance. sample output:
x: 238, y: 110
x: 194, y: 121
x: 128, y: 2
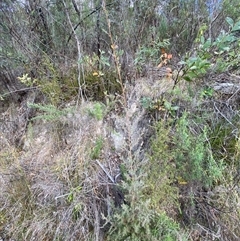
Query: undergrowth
x: 193, y: 154
x: 70, y: 183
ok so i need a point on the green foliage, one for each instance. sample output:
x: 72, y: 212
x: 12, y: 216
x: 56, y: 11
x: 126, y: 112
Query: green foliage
x: 96, y: 63
x: 40, y: 42
x: 150, y: 52
x: 98, y: 83
x: 231, y: 9
x: 72, y: 199
x: 74, y: 192
x: 3, y: 219
x: 207, y: 92
x: 215, y: 57
x: 158, y: 104
x: 193, y: 155
x: 138, y: 220
x: 25, y: 79
x: 184, y: 19
x: 196, y: 67
x: 223, y: 140
x: 97, y: 111
x: 96, y: 150
x: 162, y: 170
x: 172, y: 109
x: 99, y: 76
x: 146, y: 185
x: 147, y: 102
x: 50, y: 112
x: 140, y: 223
x: 49, y: 81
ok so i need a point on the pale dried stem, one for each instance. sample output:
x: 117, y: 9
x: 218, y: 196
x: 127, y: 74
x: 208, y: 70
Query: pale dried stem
x: 118, y: 69
x: 80, y: 67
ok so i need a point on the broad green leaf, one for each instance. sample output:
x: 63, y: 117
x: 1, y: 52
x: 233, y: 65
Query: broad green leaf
x: 230, y: 21
x: 236, y: 27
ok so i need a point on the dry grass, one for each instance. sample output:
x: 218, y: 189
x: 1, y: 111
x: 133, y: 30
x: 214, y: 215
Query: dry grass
x: 52, y: 189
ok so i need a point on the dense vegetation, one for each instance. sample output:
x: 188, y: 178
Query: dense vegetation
x: 119, y: 120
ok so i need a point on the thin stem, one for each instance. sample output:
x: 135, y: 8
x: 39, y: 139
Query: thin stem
x: 118, y: 69
x: 80, y: 68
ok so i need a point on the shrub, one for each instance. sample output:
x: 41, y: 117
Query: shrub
x: 49, y: 112
x: 193, y: 155
x: 162, y: 170
x: 140, y: 223
x: 149, y: 196
x: 97, y: 111
x: 138, y: 220
x: 212, y: 56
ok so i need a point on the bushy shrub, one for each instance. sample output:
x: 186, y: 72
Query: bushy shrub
x: 193, y: 155
x: 140, y: 223
x: 162, y: 170
x: 150, y: 198
x: 139, y: 218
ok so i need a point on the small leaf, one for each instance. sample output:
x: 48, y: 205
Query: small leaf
x: 175, y: 108
x: 182, y: 62
x: 181, y: 181
x: 230, y: 21
x: 226, y: 48
x: 202, y: 39
x: 163, y: 51
x: 187, y: 78
x: 114, y: 46
x: 167, y: 105
x: 236, y: 27
x: 105, y: 31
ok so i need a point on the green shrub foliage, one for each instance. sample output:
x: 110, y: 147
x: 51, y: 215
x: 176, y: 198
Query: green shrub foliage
x: 193, y: 155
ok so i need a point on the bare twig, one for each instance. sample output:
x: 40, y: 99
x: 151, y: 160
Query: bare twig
x: 109, y: 176
x: 20, y: 90
x: 215, y: 235
x: 223, y: 115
